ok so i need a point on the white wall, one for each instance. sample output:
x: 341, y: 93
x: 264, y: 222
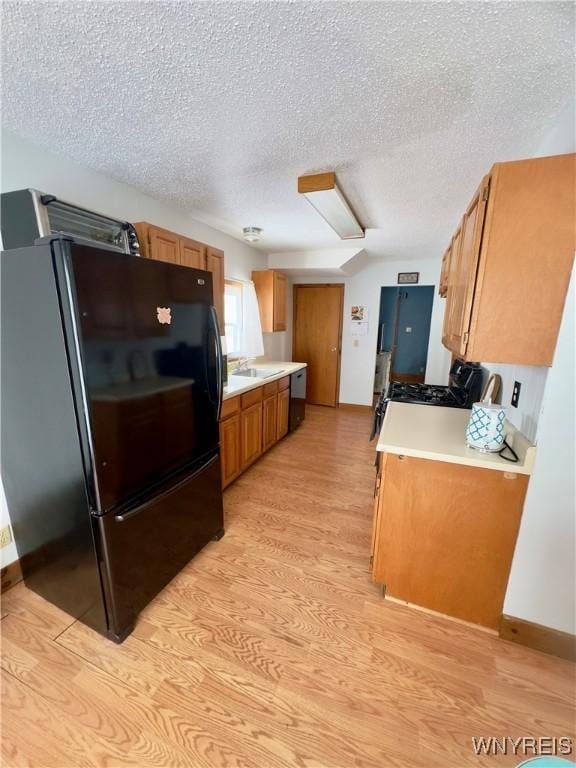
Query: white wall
x: 26, y: 165
x: 541, y: 587
x: 542, y: 581
x: 358, y: 361
x: 533, y: 382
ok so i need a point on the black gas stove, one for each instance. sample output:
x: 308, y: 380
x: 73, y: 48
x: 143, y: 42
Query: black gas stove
x: 465, y: 388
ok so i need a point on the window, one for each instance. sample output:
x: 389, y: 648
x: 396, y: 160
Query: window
x: 233, y: 312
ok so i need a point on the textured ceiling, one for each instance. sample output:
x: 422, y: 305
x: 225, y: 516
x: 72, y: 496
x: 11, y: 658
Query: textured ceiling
x: 217, y: 107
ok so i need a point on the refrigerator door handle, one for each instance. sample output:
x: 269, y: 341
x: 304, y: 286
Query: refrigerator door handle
x: 123, y: 516
x: 219, y: 359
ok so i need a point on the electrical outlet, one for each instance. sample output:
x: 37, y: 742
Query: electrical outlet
x: 516, y: 394
x: 5, y: 536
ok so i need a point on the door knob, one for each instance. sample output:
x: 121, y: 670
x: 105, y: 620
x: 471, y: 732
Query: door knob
x: 333, y: 349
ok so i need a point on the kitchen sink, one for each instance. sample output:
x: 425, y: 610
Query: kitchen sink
x: 257, y: 373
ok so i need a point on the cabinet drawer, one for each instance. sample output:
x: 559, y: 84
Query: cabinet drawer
x: 230, y: 407
x: 283, y: 383
x: 270, y: 389
x: 252, y: 397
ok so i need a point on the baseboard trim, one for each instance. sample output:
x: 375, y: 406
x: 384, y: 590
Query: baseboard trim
x: 539, y: 638
x: 10, y: 575
x: 355, y: 407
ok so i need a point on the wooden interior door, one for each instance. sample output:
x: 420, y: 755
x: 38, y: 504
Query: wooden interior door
x: 164, y: 245
x: 192, y: 254
x: 317, y: 339
x: 467, y: 267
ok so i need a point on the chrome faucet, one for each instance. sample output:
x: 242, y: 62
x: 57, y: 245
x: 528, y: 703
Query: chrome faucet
x: 242, y: 364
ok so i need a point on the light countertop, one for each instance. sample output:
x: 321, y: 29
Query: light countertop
x: 238, y: 385
x: 434, y: 432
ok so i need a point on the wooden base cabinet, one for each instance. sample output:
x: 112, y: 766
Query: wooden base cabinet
x: 270, y: 422
x: 250, y: 424
x: 230, y: 454
x: 283, y: 413
x: 444, y: 535
x: 250, y: 434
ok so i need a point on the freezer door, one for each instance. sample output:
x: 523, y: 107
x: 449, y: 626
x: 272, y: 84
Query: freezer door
x: 144, y: 547
x: 149, y: 367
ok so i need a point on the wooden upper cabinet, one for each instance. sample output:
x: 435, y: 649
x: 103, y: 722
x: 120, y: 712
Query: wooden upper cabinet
x: 192, y: 254
x: 160, y: 244
x: 215, y: 265
x: 445, y: 269
x: 466, y: 268
x: 271, y: 290
x: 163, y: 245
x: 507, y: 285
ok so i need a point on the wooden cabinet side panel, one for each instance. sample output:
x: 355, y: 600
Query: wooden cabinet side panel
x: 264, y: 283
x: 141, y: 228
x: 280, y: 298
x: 215, y: 265
x: 446, y: 536
x: 527, y: 256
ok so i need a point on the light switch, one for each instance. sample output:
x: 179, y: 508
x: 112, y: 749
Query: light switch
x: 409, y: 329
x: 356, y: 343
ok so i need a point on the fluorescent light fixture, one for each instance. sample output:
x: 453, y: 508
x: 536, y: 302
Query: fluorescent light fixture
x: 323, y: 192
x: 252, y: 234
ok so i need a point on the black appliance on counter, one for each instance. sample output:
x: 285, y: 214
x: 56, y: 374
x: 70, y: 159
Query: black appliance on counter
x: 464, y: 389
x: 297, y: 398
x: 27, y: 214
x: 111, y: 395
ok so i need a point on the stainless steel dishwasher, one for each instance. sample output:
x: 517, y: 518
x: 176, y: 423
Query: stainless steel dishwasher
x: 297, y: 398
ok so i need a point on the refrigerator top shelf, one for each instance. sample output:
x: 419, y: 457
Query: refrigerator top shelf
x: 140, y: 388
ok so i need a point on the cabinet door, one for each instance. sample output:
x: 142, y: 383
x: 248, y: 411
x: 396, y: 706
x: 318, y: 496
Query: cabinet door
x: 215, y: 265
x: 451, y: 293
x: 443, y: 284
x: 163, y: 245
x: 279, y: 302
x: 283, y: 412
x: 467, y: 268
x: 192, y: 254
x: 437, y: 528
x: 230, y: 449
x: 250, y: 434
x: 270, y: 422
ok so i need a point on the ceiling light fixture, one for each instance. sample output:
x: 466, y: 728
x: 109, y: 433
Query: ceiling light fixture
x: 252, y: 234
x: 325, y: 195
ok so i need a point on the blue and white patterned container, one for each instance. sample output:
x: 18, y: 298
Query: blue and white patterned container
x: 485, y: 431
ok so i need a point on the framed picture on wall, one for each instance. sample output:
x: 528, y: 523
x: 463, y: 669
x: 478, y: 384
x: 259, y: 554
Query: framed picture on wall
x: 405, y: 278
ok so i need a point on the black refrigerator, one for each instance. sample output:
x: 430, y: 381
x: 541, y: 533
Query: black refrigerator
x: 111, y: 395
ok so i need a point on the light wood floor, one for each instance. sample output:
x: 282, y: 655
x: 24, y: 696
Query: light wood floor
x: 273, y: 648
